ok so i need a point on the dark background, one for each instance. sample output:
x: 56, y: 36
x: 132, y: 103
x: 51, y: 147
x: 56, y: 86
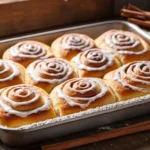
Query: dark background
x: 143, y: 4
x: 38, y: 15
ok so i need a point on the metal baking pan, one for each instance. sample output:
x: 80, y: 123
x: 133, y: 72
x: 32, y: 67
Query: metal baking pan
x: 77, y: 122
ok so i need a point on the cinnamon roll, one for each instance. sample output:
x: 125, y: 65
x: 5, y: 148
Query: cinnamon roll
x: 94, y: 63
x: 69, y: 45
x: 26, y: 52
x: 131, y: 80
x: 80, y: 94
x: 127, y: 46
x: 48, y: 73
x: 24, y: 104
x: 11, y: 73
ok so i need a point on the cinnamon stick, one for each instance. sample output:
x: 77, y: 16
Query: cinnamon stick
x: 129, y: 16
x: 132, y: 7
x: 140, y: 22
x: 133, y: 13
x: 136, y: 15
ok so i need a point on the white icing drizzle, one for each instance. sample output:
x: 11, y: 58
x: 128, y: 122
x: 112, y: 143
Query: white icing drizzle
x: 7, y: 64
x: 17, y: 94
x: 57, y: 70
x: 123, y: 43
x: 85, y: 85
x: 76, y: 41
x: 28, y: 50
x: 143, y: 77
x: 95, y: 57
x: 19, y: 88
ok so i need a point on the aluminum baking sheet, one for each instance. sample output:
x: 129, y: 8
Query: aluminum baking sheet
x: 91, y: 118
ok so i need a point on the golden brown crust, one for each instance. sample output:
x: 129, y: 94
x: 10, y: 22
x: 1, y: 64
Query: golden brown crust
x: 119, y: 49
x: 48, y: 73
x: 130, y: 81
x: 11, y: 73
x: 11, y: 119
x: 69, y: 45
x: 94, y: 63
x: 40, y: 50
x: 93, y: 88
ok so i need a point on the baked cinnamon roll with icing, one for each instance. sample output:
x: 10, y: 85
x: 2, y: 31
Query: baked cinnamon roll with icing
x: 11, y: 73
x: 24, y: 104
x: 131, y: 80
x: 94, y: 63
x: 69, y: 45
x: 48, y: 73
x: 26, y: 52
x: 80, y: 94
x: 127, y: 46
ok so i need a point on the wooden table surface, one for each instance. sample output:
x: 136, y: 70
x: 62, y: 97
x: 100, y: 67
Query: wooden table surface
x: 138, y: 141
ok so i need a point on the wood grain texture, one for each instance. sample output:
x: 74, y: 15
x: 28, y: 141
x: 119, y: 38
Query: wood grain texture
x: 138, y: 141
x: 38, y: 14
x: 138, y: 127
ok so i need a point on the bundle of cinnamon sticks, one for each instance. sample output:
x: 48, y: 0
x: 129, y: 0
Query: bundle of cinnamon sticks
x: 136, y: 15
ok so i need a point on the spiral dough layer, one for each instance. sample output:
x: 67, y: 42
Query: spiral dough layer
x: 53, y: 70
x: 8, y: 70
x: 15, y: 100
x: 76, y: 41
x: 81, y: 91
x: 93, y: 60
x: 122, y: 43
x: 137, y: 72
x: 28, y: 49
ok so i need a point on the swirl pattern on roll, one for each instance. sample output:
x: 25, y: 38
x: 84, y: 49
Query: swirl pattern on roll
x: 124, y: 43
x: 135, y: 75
x: 81, y: 91
x: 93, y: 60
x: 18, y: 100
x: 8, y: 70
x: 76, y: 41
x: 53, y: 70
x: 28, y: 49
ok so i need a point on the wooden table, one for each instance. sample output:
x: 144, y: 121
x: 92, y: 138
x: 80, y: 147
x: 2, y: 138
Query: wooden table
x: 139, y: 141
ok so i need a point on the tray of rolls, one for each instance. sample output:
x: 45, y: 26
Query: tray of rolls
x: 68, y: 80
